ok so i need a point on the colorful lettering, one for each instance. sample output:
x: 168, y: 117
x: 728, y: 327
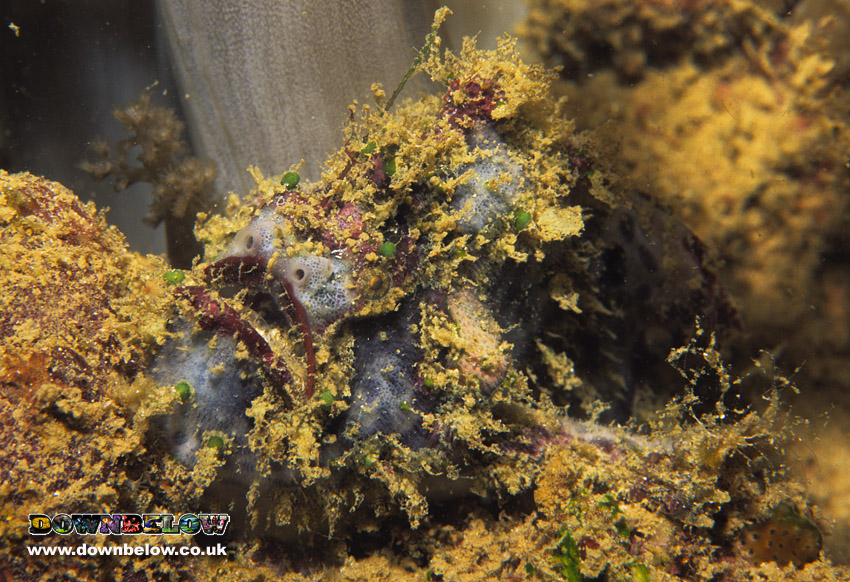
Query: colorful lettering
x: 153, y: 523
x: 214, y: 523
x: 189, y: 523
x: 110, y: 524
x: 168, y: 526
x: 39, y: 524
x: 86, y: 524
x: 62, y: 523
x: 131, y: 524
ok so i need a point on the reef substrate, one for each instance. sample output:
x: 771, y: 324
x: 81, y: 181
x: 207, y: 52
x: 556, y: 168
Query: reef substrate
x: 491, y: 479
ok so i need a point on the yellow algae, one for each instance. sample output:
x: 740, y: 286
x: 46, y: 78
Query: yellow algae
x: 742, y: 132
x: 79, y: 310
x: 519, y: 481
x: 559, y: 223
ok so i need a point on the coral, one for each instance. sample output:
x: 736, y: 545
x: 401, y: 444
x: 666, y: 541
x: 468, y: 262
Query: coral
x: 328, y: 56
x: 748, y: 143
x: 182, y: 185
x: 633, y: 38
x: 79, y: 316
x: 414, y: 395
x: 71, y: 290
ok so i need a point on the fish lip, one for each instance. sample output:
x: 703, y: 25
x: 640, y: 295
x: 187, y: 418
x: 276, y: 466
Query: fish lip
x: 251, y: 272
x: 247, y: 271
x: 218, y: 316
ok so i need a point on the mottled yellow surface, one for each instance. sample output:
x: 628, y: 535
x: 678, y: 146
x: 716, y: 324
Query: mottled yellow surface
x: 79, y: 315
x: 739, y: 125
x: 517, y: 484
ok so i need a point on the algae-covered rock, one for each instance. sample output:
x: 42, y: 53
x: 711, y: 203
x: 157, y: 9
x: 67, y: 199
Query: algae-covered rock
x: 733, y: 114
x: 78, y: 318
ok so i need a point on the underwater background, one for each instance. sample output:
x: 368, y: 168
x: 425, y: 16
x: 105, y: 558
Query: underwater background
x: 573, y: 304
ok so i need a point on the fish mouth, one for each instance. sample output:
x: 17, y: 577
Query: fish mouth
x: 251, y: 272
x: 233, y: 274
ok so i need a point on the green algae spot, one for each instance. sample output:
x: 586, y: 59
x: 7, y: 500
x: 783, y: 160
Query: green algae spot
x: 405, y: 406
x: 576, y: 507
x: 369, y: 460
x: 327, y: 398
x: 184, y: 390
x: 174, y: 277
x: 429, y: 382
x: 370, y: 147
x: 622, y: 528
x: 215, y: 442
x: 608, y: 502
x: 389, y: 166
x: 290, y: 180
x: 567, y: 558
x: 387, y: 249
x: 388, y: 152
x: 522, y: 218
x: 640, y: 573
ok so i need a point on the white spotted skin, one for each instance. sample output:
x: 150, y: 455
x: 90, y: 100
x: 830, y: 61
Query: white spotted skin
x: 322, y: 285
x: 258, y: 238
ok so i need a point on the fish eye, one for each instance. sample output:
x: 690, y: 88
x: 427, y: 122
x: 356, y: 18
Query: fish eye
x: 299, y: 274
x: 249, y: 244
